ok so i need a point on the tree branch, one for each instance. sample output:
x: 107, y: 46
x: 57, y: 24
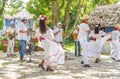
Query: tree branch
x: 69, y: 32
x: 63, y: 2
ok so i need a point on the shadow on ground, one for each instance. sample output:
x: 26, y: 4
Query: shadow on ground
x: 11, y: 68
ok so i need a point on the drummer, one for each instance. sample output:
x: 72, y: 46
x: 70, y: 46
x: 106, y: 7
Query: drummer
x: 77, y: 43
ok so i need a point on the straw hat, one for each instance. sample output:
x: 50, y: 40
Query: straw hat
x: 117, y: 25
x: 59, y: 23
x: 85, y: 17
x: 11, y: 22
x: 24, y: 18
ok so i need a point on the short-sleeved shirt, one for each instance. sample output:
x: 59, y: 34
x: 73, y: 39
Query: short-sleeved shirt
x: 115, y: 35
x: 98, y: 36
x: 75, y: 32
x: 22, y: 36
x: 59, y: 36
x: 83, y: 28
x: 11, y: 30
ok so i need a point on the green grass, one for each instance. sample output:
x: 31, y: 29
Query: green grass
x: 69, y: 44
x: 1, y: 47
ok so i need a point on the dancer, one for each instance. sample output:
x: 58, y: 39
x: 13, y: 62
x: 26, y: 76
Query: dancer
x: 84, y: 30
x: 99, y: 38
x: 116, y: 43
x: 53, y: 52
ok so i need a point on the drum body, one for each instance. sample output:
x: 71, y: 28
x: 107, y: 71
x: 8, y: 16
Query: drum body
x: 75, y: 36
x: 107, y: 48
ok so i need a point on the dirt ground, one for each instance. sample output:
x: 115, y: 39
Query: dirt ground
x: 11, y: 68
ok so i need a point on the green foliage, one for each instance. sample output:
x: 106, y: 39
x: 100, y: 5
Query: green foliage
x: 14, y: 6
x: 69, y: 43
x: 1, y: 47
x: 39, y: 7
x: 1, y: 23
x: 44, y: 7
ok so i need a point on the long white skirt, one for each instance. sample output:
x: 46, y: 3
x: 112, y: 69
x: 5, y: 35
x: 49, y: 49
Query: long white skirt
x: 53, y: 53
x: 95, y: 47
x: 116, y: 53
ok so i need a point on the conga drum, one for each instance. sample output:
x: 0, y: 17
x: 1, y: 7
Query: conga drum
x: 75, y: 36
x: 107, y: 48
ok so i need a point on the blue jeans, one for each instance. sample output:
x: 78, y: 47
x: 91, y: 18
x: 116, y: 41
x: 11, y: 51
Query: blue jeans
x: 77, y: 48
x: 31, y: 46
x: 22, y: 49
x: 61, y: 43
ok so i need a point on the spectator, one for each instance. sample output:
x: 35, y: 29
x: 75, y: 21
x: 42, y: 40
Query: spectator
x: 59, y: 33
x: 22, y: 36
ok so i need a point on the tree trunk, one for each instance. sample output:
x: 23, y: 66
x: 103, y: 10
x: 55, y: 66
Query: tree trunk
x: 55, y: 12
x: 67, y: 13
x: 70, y: 30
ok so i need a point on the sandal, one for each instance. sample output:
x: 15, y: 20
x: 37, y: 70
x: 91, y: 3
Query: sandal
x: 49, y: 69
x: 40, y: 65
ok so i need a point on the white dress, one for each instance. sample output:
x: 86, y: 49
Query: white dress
x: 116, y: 44
x: 95, y: 46
x: 53, y: 52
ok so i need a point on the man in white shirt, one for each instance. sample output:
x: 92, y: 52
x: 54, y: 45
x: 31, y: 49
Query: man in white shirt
x: 84, y: 30
x: 22, y: 36
x: 58, y: 33
x: 116, y: 43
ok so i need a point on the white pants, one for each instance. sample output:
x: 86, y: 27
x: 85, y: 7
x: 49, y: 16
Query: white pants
x: 84, y: 45
x: 116, y: 53
x: 10, y: 48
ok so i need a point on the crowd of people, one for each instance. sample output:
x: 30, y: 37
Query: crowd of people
x: 51, y: 41
x: 92, y: 41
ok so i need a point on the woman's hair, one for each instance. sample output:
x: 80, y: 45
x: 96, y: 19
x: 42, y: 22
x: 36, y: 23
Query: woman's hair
x: 42, y: 24
x: 97, y: 28
x: 102, y: 28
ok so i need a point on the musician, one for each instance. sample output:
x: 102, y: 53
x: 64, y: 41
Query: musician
x: 77, y: 43
x: 30, y: 46
x: 10, y: 32
x: 59, y: 33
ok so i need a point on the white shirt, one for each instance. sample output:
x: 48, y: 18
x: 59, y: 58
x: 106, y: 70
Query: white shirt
x: 83, y: 28
x: 59, y: 36
x: 98, y: 36
x: 11, y: 30
x: 22, y: 36
x: 75, y: 32
x: 115, y: 35
x: 28, y: 39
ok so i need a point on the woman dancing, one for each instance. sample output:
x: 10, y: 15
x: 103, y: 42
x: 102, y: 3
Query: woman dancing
x: 53, y: 52
x: 99, y: 38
